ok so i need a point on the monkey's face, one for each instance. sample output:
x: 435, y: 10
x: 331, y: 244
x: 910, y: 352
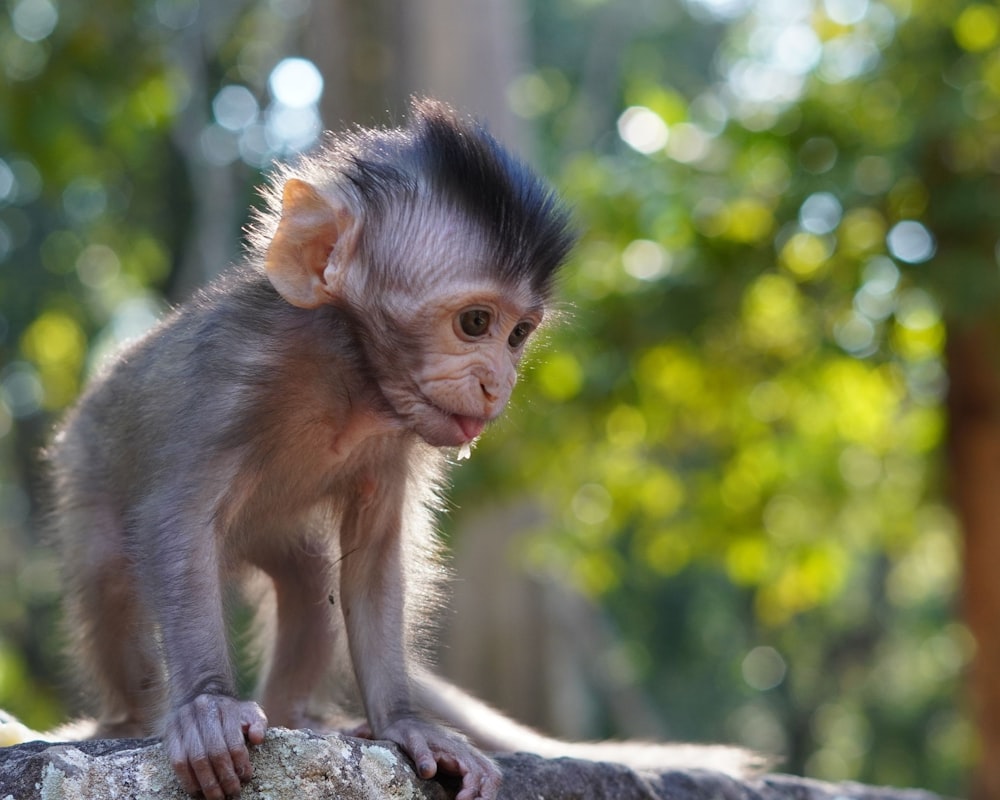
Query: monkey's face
x: 470, y: 344
x: 445, y: 325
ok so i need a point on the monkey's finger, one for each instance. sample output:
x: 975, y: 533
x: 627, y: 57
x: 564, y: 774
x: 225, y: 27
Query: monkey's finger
x: 480, y: 779
x: 238, y: 755
x: 251, y: 729
x: 178, y: 756
x: 423, y: 758
x: 479, y: 785
x: 426, y: 765
x: 450, y: 764
x: 194, y: 759
x: 220, y: 741
x: 490, y: 785
x: 471, y: 790
x: 254, y: 724
x: 187, y: 779
x: 206, y: 777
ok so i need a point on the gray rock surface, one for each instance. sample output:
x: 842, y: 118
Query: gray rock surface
x: 299, y: 765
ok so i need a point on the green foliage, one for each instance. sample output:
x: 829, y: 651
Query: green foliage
x: 94, y: 216
x: 738, y: 432
x: 58, y: 183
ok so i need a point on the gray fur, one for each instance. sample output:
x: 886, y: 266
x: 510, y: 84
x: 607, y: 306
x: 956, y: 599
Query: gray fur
x: 247, y: 436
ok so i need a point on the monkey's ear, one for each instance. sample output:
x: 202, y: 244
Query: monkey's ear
x: 309, y: 229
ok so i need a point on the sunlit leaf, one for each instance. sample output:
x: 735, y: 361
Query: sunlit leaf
x: 560, y: 377
x: 977, y: 27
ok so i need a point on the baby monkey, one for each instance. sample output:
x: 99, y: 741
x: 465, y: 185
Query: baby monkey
x: 286, y: 427
x: 288, y: 422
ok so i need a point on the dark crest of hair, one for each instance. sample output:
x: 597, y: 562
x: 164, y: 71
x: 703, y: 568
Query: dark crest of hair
x: 528, y: 230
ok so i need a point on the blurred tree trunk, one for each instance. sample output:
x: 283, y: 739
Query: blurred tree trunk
x: 375, y: 55
x: 209, y: 220
x: 533, y: 647
x: 974, y: 459
x: 352, y: 44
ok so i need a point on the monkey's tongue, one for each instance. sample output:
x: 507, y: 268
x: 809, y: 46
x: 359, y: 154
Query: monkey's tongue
x: 471, y: 426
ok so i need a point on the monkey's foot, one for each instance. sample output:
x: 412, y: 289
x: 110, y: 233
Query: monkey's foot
x: 206, y: 742
x: 432, y: 747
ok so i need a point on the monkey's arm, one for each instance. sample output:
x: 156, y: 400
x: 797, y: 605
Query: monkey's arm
x: 372, y: 589
x: 205, y: 728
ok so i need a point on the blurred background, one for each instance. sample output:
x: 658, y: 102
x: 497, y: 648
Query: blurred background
x: 750, y: 487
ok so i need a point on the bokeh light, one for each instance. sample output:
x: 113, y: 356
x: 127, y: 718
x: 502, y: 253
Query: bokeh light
x: 296, y: 83
x: 8, y: 183
x: 646, y: 260
x: 235, y: 107
x: 820, y: 213
x: 643, y: 129
x: 910, y: 241
x: 763, y: 668
x: 34, y: 20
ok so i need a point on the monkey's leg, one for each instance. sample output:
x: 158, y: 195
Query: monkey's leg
x: 303, y: 634
x: 112, y: 638
x: 206, y: 728
x: 372, y: 592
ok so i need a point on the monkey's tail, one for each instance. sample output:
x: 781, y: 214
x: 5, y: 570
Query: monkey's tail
x: 13, y: 731
x: 494, y: 732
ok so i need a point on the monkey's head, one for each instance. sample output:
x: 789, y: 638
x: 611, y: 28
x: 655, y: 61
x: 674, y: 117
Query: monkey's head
x: 442, y: 247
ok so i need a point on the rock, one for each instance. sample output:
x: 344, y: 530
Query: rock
x: 300, y: 765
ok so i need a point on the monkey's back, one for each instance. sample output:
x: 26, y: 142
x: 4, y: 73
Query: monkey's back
x: 202, y: 395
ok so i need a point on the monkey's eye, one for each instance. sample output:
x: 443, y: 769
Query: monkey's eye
x: 474, y: 322
x: 519, y: 334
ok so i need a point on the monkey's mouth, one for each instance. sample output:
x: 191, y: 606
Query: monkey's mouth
x: 448, y: 429
x: 471, y: 427
x: 439, y: 425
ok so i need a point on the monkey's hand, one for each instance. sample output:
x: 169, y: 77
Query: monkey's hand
x: 433, y: 747
x: 206, y: 742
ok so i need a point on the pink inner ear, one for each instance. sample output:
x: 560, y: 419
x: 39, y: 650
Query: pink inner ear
x: 302, y: 202
x: 307, y: 232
